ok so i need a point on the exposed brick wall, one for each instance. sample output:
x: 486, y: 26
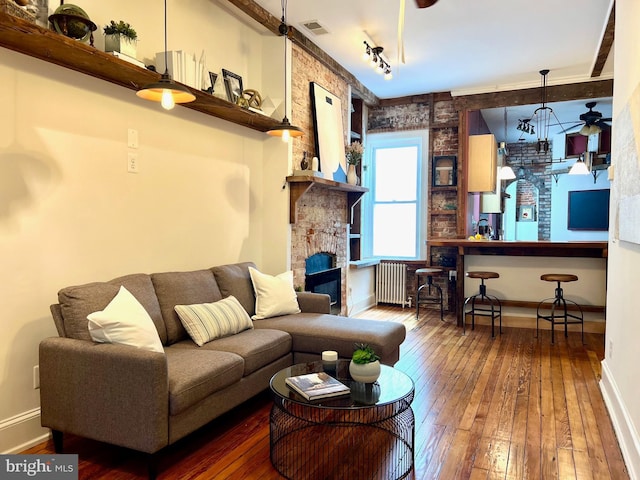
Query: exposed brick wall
x: 322, y: 213
x: 536, y: 172
x: 306, y: 70
x: 410, y: 116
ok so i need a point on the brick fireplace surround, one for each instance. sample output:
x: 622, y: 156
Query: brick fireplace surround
x: 321, y: 228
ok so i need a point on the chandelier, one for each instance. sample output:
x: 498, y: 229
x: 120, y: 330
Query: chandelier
x: 541, y: 118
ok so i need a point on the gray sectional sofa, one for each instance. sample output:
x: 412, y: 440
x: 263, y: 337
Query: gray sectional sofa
x: 145, y: 400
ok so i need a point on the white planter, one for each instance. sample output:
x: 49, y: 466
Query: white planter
x: 365, y: 372
x: 119, y: 43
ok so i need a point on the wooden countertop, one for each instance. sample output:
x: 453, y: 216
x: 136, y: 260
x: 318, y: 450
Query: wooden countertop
x: 597, y: 249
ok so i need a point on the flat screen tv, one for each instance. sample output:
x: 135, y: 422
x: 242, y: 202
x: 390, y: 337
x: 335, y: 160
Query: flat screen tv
x: 588, y: 210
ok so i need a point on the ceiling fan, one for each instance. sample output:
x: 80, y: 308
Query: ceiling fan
x: 591, y: 121
x: 425, y: 3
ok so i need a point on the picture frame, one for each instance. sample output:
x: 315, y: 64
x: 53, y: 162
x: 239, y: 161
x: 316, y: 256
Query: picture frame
x: 444, y: 171
x: 213, y: 78
x: 526, y: 213
x: 329, y: 133
x: 232, y: 85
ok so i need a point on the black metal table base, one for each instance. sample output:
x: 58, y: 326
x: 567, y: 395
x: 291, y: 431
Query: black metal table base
x: 365, y: 443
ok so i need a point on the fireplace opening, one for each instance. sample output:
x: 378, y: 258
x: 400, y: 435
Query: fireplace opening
x: 322, y: 276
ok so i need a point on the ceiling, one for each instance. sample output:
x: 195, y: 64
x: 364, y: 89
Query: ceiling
x: 462, y: 46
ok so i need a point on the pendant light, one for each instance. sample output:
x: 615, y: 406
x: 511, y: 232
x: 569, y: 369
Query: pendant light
x: 505, y: 172
x: 580, y: 167
x: 166, y: 91
x: 284, y: 129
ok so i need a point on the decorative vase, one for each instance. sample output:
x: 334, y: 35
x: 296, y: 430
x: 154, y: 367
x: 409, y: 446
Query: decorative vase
x: 365, y: 372
x: 352, y: 178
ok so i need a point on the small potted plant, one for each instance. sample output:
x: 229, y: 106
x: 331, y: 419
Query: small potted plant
x: 120, y: 37
x: 365, y: 364
x: 353, y: 154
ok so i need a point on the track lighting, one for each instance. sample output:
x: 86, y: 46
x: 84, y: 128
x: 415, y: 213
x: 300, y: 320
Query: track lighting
x: 373, y: 55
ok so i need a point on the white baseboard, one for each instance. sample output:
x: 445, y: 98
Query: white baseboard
x: 625, y: 431
x: 362, y: 305
x: 21, y: 432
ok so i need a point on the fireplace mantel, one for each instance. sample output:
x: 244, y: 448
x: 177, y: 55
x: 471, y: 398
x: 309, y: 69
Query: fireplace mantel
x: 300, y: 184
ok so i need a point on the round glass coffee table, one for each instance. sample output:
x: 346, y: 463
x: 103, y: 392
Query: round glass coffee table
x: 368, y: 434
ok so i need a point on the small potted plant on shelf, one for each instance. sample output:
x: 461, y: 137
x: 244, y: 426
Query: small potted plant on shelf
x: 365, y: 364
x: 353, y: 154
x: 120, y: 37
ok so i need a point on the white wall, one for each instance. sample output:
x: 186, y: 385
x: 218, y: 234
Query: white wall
x: 620, y: 384
x: 208, y: 191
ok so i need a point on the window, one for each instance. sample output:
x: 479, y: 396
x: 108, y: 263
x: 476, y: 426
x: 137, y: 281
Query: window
x: 394, y: 208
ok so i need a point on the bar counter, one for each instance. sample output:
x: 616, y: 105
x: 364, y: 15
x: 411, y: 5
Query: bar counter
x: 567, y: 249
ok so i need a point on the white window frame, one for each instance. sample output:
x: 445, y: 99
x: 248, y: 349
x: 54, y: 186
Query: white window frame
x: 374, y: 141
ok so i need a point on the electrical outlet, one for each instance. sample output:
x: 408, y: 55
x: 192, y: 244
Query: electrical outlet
x: 453, y: 275
x: 36, y: 377
x: 132, y: 162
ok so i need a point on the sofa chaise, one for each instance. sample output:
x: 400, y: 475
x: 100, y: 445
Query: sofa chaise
x: 146, y: 400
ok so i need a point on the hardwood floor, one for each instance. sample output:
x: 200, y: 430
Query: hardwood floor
x: 511, y: 408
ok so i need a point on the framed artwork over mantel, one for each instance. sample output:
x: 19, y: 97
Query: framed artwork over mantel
x: 444, y: 171
x: 329, y: 133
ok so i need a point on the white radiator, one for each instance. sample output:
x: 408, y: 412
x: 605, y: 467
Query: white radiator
x: 391, y: 283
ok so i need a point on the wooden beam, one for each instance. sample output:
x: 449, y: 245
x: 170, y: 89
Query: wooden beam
x: 530, y: 96
x: 606, y: 43
x: 271, y: 23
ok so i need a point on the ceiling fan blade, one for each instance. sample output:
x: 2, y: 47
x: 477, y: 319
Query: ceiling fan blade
x: 425, y: 3
x: 575, y: 125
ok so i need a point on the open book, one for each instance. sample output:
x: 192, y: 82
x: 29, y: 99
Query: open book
x: 313, y: 386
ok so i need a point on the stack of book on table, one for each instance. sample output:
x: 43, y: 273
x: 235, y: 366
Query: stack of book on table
x: 314, y: 386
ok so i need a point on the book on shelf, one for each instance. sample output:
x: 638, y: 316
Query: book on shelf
x: 314, y: 386
x: 129, y: 59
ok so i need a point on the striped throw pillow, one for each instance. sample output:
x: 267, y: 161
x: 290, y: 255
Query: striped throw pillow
x: 207, y: 321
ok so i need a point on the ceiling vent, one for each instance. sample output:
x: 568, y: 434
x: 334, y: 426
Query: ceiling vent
x: 314, y: 27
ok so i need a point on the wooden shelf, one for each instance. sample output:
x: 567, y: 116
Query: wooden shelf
x: 35, y: 41
x: 300, y: 184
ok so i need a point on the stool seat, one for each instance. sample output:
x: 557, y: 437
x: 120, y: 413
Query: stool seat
x: 558, y: 306
x: 558, y: 277
x: 426, y: 271
x: 429, y: 293
x: 483, y: 275
x: 488, y: 305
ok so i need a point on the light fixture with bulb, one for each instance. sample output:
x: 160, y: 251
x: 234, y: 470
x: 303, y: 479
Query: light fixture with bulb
x: 373, y: 55
x: 580, y: 167
x: 541, y: 118
x: 284, y: 129
x: 166, y: 91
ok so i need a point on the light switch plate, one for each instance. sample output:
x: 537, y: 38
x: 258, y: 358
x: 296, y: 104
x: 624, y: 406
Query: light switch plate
x: 132, y: 138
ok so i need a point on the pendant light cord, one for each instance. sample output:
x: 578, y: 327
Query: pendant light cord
x: 166, y: 63
x: 284, y: 30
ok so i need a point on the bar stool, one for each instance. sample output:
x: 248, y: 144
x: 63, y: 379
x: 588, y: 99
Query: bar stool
x: 429, y: 293
x: 494, y: 302
x: 560, y: 303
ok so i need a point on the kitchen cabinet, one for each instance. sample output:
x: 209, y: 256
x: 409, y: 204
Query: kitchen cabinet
x: 483, y: 162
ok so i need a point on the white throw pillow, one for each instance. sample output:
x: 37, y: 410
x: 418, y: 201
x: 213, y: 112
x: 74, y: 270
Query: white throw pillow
x: 125, y: 321
x: 274, y: 295
x: 207, y: 321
